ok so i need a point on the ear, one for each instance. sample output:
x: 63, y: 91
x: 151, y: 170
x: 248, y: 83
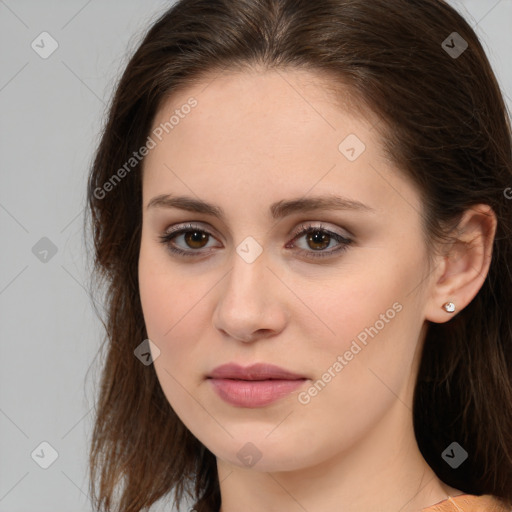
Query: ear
x: 462, y: 268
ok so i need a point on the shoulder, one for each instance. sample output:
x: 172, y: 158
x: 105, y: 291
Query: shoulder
x: 469, y: 503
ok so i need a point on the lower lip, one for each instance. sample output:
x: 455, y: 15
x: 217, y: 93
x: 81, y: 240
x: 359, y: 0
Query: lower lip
x: 255, y: 393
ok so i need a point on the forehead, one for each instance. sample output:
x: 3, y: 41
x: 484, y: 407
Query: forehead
x: 262, y: 103
x: 269, y: 132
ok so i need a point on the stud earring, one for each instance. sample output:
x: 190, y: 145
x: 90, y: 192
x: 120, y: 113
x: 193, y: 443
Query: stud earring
x: 449, y: 307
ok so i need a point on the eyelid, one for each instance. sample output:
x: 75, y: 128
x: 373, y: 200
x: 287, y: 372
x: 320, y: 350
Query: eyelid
x: 304, y: 226
x: 200, y: 226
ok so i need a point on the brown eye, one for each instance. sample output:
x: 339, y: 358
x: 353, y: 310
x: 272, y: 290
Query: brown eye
x: 318, y: 240
x: 187, y: 240
x: 196, y: 239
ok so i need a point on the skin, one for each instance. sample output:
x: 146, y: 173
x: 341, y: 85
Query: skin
x: 253, y: 139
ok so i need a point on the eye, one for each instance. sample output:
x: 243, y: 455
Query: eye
x: 193, y: 236
x: 317, y: 238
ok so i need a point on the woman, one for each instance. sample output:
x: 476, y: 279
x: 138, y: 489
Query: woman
x: 302, y: 213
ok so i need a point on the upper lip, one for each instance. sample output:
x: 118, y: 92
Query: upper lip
x: 258, y: 371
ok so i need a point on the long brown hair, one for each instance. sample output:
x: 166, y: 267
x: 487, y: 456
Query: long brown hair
x: 444, y: 124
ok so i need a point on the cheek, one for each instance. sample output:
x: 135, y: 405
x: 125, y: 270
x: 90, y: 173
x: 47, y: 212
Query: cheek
x: 347, y: 304
x: 164, y: 293
x: 175, y: 322
x: 171, y: 315
x: 370, y: 328
x: 361, y: 369
x: 157, y: 299
x: 175, y: 310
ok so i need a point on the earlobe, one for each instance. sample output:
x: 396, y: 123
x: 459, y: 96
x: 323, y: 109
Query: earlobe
x: 464, y: 266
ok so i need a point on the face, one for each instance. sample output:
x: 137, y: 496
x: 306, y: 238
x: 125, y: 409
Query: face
x: 330, y: 292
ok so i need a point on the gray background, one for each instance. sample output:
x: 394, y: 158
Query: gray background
x: 51, y: 115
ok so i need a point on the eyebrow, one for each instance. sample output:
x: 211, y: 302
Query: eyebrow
x: 278, y: 210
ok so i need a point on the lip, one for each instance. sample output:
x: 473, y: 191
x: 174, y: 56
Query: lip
x: 253, y: 386
x: 258, y: 371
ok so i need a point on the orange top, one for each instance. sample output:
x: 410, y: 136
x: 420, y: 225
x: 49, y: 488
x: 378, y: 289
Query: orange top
x: 469, y: 503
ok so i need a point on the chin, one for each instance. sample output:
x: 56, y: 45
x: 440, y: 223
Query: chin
x: 263, y: 455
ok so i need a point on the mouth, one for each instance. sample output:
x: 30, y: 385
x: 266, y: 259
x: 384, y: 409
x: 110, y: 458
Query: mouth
x: 254, y: 386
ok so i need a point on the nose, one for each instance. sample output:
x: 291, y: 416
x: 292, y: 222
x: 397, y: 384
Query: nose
x: 251, y: 302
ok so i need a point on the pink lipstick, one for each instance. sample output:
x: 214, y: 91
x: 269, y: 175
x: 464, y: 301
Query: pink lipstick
x: 253, y: 386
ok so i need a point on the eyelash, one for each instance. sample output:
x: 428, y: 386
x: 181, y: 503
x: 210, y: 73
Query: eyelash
x: 305, y: 229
